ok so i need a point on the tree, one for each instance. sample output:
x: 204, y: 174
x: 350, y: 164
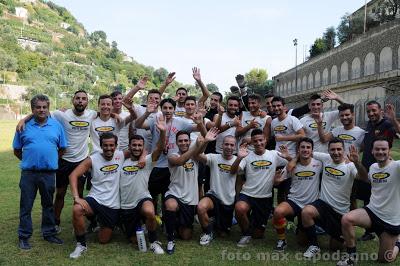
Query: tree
x: 256, y: 80
x: 344, y: 30
x: 98, y: 37
x: 7, y: 62
x: 329, y: 38
x: 387, y: 10
x: 317, y: 48
x: 159, y: 75
x: 212, y: 87
x: 114, y: 52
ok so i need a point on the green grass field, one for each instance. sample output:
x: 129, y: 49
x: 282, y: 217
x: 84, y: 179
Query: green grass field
x: 119, y: 251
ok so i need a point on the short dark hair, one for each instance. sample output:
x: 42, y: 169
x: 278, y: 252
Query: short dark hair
x: 80, y: 91
x: 268, y: 95
x: 108, y: 135
x: 153, y: 91
x: 219, y: 95
x: 336, y: 140
x: 181, y: 89
x: 104, y: 96
x: 278, y: 99
x: 190, y: 98
x: 136, y: 137
x: 314, y: 97
x: 346, y: 106
x: 305, y: 139
x: 382, y: 138
x: 115, y: 93
x: 256, y: 131
x: 374, y: 102
x: 168, y: 100
x: 256, y: 97
x: 182, y: 132
x: 41, y: 98
x: 233, y: 98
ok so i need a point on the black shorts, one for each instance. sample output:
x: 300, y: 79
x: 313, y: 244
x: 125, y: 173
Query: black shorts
x: 329, y: 219
x: 201, y: 176
x: 159, y: 181
x: 296, y: 208
x: 185, y: 213
x: 131, y: 219
x: 379, y: 226
x: 65, y: 168
x: 106, y: 216
x: 361, y: 190
x: 223, y: 214
x: 260, y: 209
x: 284, y: 185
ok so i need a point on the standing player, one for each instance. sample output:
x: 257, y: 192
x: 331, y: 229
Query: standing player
x: 256, y: 194
x: 382, y: 214
x: 304, y: 172
x: 136, y: 201
x: 219, y: 200
x: 334, y: 199
x: 182, y: 195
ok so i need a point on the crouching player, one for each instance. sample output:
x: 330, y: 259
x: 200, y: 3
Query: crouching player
x: 382, y: 214
x: 304, y: 172
x: 136, y: 201
x: 219, y: 200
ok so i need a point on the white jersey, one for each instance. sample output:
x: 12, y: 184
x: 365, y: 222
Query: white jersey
x: 288, y: 126
x: 195, y: 135
x: 99, y: 127
x: 311, y: 128
x: 385, y: 192
x: 305, y: 183
x: 184, y: 184
x: 77, y: 132
x: 230, y: 131
x: 260, y: 172
x: 247, y: 117
x: 222, y: 183
x: 179, y: 111
x: 337, y: 182
x: 354, y: 136
x: 146, y: 134
x: 123, y: 136
x: 105, y: 179
x: 134, y: 182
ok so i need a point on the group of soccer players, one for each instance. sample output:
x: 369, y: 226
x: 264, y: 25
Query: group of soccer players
x: 221, y: 162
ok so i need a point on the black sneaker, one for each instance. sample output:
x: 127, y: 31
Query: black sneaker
x: 347, y: 260
x: 54, y: 240
x: 24, y: 244
x: 366, y: 237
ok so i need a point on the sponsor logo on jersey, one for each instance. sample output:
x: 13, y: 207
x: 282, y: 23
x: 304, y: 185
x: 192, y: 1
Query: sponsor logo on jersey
x: 346, y: 137
x: 261, y: 163
x: 180, y: 113
x: 188, y: 166
x: 315, y: 125
x: 130, y: 168
x: 380, y: 175
x: 224, y: 167
x: 104, y: 129
x: 79, y: 123
x: 109, y: 168
x: 333, y: 171
x: 305, y: 174
x: 280, y: 128
x: 249, y: 121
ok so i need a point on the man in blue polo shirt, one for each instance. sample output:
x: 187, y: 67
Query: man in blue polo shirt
x: 38, y: 147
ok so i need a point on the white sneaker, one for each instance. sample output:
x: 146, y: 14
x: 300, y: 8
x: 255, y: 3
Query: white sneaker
x: 205, y: 239
x: 156, y: 247
x: 347, y: 260
x: 79, y: 250
x: 170, y: 247
x: 311, y: 251
x: 244, y: 241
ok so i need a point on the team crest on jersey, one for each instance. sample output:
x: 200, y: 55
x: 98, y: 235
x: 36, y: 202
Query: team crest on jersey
x: 104, y: 129
x: 188, y: 166
x: 280, y: 128
x: 305, y: 174
x: 224, y: 167
x: 333, y: 172
x: 315, y: 125
x: 109, y: 168
x: 380, y: 177
x: 130, y: 169
x: 261, y: 164
x: 346, y: 137
x: 249, y: 121
x: 79, y: 123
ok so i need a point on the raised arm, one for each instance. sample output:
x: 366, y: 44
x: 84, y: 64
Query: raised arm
x: 330, y: 95
x: 209, y: 137
x: 141, y: 121
x: 323, y: 136
x: 139, y: 86
x: 132, y: 114
x: 198, y: 119
x: 175, y: 160
x: 204, y: 90
x: 267, y: 128
x: 170, y: 78
x: 241, y: 130
x: 243, y: 152
x: 391, y: 115
x: 354, y: 157
x: 160, y: 124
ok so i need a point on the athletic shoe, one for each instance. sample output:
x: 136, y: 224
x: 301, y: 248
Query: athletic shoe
x: 156, y: 247
x: 311, y: 251
x: 366, y: 237
x: 79, y: 250
x: 58, y: 229
x: 244, y: 241
x: 205, y: 239
x: 319, y: 230
x: 347, y: 261
x: 170, y: 247
x: 280, y: 245
x: 53, y: 240
x: 24, y: 244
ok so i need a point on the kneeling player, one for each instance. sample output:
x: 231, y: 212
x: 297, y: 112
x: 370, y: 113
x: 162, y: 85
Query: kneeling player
x: 136, y: 201
x: 382, y: 214
x: 304, y: 172
x: 219, y: 200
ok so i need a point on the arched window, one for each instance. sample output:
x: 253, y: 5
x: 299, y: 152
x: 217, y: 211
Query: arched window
x: 325, y: 75
x: 310, y: 81
x: 317, y: 79
x: 304, y: 83
x: 385, y: 59
x: 355, y: 68
x: 334, y: 74
x: 344, y: 71
x: 369, y: 64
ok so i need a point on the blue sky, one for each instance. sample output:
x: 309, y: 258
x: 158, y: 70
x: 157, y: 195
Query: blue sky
x: 222, y: 38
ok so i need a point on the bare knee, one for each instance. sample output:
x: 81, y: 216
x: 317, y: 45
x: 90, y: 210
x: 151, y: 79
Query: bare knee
x: 241, y: 208
x: 171, y: 205
x: 105, y: 235
x: 202, y: 208
x: 185, y: 233
x: 347, y: 220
